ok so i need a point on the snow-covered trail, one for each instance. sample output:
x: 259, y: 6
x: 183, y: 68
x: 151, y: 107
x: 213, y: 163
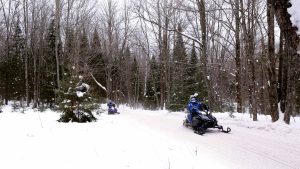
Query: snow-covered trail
x: 138, y: 139
x: 242, y: 148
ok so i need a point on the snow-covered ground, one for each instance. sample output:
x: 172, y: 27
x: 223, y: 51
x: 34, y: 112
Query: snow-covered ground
x: 139, y: 139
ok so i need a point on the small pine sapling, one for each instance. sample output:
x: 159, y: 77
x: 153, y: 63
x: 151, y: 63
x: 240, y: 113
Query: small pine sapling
x: 77, y: 104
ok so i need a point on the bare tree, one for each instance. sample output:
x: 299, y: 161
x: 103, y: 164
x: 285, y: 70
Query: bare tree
x: 248, y: 33
x: 57, y: 26
x: 26, y: 22
x: 291, y: 45
x: 272, y: 83
x: 204, y: 60
x: 237, y: 57
x: 8, y: 15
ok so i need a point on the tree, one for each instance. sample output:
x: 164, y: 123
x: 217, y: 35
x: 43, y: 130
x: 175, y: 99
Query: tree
x: 84, y: 54
x: 238, y: 57
x: 96, y: 64
x: 126, y: 62
x: 8, y: 13
x: 204, y: 50
x: 48, y: 70
x: 57, y: 42
x: 36, y: 27
x: 248, y: 27
x: 26, y: 22
x: 76, y: 103
x: 178, y: 97
x: 152, y: 95
x: 291, y: 46
x: 136, y: 83
x: 16, y: 72
x: 272, y: 87
x: 164, y: 53
x: 193, y: 83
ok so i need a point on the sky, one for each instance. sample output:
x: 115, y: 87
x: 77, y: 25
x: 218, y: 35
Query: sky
x: 295, y: 12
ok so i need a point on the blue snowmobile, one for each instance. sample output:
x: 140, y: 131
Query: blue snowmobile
x: 199, y: 119
x: 112, y: 108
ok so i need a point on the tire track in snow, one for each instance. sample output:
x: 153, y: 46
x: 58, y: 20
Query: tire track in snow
x: 233, y: 147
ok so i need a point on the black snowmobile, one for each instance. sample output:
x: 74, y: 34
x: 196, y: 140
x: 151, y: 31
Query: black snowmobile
x: 202, y: 121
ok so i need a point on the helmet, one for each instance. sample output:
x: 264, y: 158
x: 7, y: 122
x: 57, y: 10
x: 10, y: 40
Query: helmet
x: 193, y: 99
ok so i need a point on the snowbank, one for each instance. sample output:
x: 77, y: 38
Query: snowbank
x: 264, y: 123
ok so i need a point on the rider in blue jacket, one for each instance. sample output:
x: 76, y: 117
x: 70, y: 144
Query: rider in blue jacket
x: 195, y: 107
x: 112, y: 107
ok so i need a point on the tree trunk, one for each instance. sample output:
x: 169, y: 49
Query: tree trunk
x: 248, y: 33
x: 165, y: 63
x: 34, y: 55
x: 237, y: 58
x: 203, y: 58
x: 272, y: 83
x: 291, y: 45
x: 252, y: 59
x: 26, y: 52
x: 280, y: 53
x: 57, y: 37
x: 262, y: 76
x: 6, y: 17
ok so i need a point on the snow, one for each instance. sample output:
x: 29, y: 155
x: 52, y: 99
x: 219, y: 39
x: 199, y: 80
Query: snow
x: 79, y: 93
x: 138, y: 139
x: 194, y: 95
x: 295, y: 14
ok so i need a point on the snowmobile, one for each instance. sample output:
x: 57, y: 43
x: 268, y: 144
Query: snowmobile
x: 113, y: 110
x: 202, y: 121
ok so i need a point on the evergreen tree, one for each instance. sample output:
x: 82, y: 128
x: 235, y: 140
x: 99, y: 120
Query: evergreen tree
x: 16, y: 74
x: 193, y: 83
x: 152, y: 95
x: 178, y: 98
x: 77, y: 104
x: 48, y: 69
x: 97, y: 65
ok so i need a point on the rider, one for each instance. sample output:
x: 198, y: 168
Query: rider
x: 112, y: 107
x: 195, y: 107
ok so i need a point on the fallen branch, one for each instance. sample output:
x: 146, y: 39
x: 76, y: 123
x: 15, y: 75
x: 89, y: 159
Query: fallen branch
x: 99, y: 84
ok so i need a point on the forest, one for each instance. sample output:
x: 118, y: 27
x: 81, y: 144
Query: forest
x: 238, y: 55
